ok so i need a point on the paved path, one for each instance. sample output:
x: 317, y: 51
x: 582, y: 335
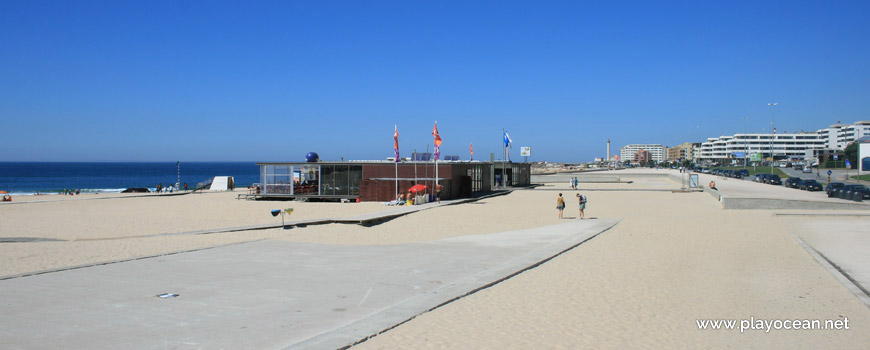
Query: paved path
x: 845, y: 244
x: 268, y: 294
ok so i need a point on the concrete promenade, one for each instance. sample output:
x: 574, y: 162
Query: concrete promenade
x: 268, y: 294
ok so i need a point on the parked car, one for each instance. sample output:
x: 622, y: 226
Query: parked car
x: 793, y: 182
x: 810, y: 185
x: 758, y: 178
x: 850, y: 191
x: 741, y: 173
x: 728, y: 173
x: 808, y: 170
x: 765, y: 178
x: 774, y: 180
x: 832, y: 187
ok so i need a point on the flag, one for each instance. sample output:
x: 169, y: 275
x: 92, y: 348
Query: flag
x: 437, y: 141
x: 471, y: 150
x: 396, y: 144
x: 507, y: 143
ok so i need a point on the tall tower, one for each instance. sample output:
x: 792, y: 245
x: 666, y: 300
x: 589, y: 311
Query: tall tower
x: 608, y: 151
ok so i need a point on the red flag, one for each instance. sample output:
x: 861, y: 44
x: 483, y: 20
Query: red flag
x: 437, y: 142
x: 396, y: 145
x: 471, y: 149
x: 437, y: 137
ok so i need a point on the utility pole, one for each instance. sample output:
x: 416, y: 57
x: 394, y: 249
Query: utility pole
x: 772, y: 133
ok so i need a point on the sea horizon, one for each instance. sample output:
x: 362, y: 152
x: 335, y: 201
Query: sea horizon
x: 47, y: 177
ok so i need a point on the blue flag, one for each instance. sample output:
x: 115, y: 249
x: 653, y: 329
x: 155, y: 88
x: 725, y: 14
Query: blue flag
x: 507, y: 139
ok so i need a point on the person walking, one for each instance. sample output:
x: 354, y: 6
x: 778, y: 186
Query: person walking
x: 560, y: 205
x: 582, y: 204
x: 576, y: 183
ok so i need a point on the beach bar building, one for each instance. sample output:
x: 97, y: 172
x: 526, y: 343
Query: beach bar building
x: 376, y: 180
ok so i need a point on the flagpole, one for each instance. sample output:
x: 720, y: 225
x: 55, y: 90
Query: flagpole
x: 503, y: 157
x: 436, y: 161
x: 396, y: 161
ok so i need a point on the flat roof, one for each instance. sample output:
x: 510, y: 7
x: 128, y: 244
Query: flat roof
x: 382, y: 162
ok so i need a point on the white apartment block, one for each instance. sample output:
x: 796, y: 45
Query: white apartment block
x: 657, y: 153
x: 781, y: 146
x: 838, y: 136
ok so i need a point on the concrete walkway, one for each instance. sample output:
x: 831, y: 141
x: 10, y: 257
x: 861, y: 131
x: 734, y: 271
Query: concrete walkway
x: 844, y: 244
x: 267, y: 294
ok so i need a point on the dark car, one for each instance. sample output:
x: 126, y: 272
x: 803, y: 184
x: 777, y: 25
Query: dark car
x: 810, y: 185
x: 758, y: 178
x: 793, y: 182
x: 851, y: 191
x: 774, y: 180
x: 833, y: 186
x: 741, y: 173
x: 728, y: 173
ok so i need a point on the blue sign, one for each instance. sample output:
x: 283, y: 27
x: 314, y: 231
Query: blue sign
x: 835, y: 156
x: 829, y: 172
x: 848, y: 164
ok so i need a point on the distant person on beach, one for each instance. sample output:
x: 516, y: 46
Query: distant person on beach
x: 159, y: 187
x: 185, y: 187
x: 576, y: 183
x: 713, y: 185
x: 560, y: 205
x: 571, y: 183
x: 582, y: 204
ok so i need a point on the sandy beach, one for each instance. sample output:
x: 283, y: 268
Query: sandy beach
x: 674, y: 258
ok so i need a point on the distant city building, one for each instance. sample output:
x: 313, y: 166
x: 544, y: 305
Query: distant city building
x: 641, y: 156
x: 782, y: 146
x: 838, y: 136
x: 657, y: 152
x: 778, y: 146
x: 685, y: 151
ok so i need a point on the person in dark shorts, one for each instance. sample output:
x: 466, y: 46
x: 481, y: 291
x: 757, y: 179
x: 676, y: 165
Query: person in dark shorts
x: 582, y: 204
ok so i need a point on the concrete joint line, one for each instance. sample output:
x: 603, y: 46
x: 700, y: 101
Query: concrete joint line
x: 838, y: 273
x: 485, y: 286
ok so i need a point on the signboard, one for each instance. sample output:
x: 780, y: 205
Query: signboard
x: 835, y: 156
x: 526, y: 151
x: 755, y: 157
x: 738, y: 154
x: 848, y: 164
x: 693, y: 180
x: 864, y: 156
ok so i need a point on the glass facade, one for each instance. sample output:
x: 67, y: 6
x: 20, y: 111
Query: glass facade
x: 340, y: 179
x: 310, y: 179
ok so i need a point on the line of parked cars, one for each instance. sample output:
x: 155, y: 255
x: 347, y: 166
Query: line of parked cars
x: 848, y: 191
x: 806, y: 185
x: 770, y: 179
x: 737, y: 173
x: 833, y: 189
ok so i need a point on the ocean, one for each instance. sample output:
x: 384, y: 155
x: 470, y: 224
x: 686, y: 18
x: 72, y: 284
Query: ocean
x: 26, y: 178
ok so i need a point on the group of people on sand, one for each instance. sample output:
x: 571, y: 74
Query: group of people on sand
x: 581, y: 203
x: 168, y: 189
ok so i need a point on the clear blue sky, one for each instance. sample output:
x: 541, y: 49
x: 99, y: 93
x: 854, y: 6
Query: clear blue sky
x: 271, y: 81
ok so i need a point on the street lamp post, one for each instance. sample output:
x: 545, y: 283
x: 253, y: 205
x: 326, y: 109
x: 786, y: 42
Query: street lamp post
x: 772, y: 133
x: 745, y: 143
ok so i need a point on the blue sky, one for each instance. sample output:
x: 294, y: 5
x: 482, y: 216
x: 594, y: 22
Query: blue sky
x: 271, y: 81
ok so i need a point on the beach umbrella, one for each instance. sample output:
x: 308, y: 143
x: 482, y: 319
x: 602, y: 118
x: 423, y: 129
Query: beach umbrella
x: 417, y: 188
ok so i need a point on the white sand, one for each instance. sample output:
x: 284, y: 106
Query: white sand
x: 673, y: 259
